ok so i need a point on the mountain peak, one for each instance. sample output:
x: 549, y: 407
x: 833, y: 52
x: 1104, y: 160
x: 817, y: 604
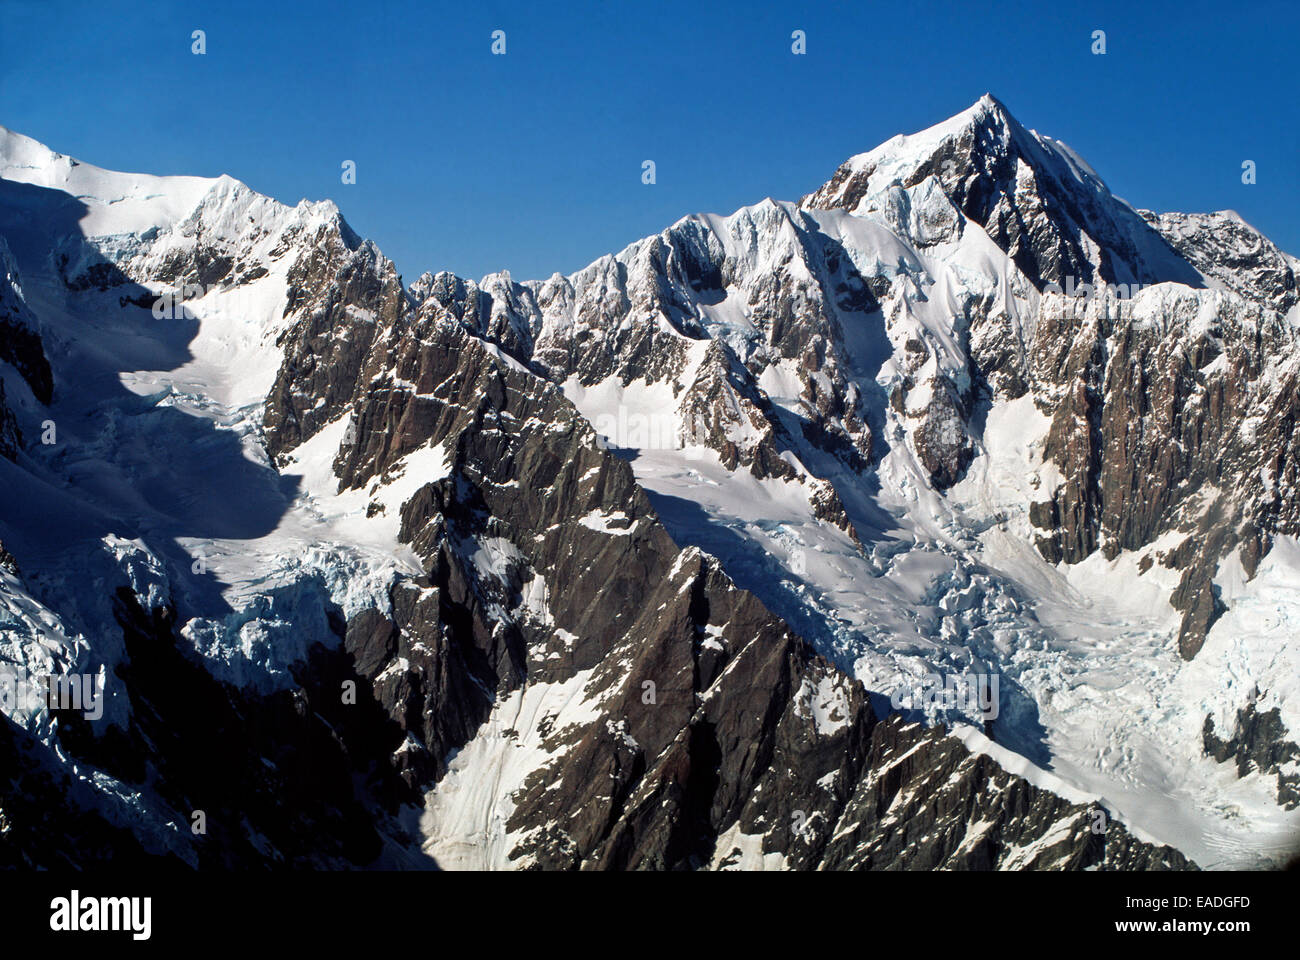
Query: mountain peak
x: 902, y: 155
x: 1033, y: 195
x: 990, y: 103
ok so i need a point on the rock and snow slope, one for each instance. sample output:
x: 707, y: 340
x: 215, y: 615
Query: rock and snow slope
x: 898, y: 442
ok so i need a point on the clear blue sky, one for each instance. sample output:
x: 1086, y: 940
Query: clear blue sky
x: 532, y: 161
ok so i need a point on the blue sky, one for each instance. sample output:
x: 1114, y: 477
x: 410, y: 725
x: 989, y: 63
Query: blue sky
x: 532, y: 161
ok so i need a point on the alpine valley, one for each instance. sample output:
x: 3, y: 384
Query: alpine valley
x: 647, y: 567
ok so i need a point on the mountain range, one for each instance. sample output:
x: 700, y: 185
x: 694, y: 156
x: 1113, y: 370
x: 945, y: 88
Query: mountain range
x: 670, y: 563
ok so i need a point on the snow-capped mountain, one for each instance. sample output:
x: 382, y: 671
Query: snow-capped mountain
x: 629, y: 568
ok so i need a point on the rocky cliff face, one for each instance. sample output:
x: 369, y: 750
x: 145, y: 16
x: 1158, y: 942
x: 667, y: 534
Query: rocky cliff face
x: 21, y: 349
x: 1257, y: 741
x: 1177, y: 417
